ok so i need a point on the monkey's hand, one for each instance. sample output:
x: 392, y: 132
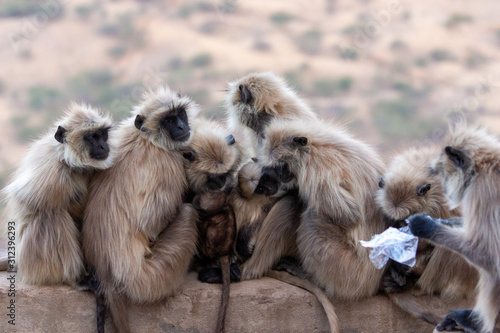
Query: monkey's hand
x: 465, y: 319
x: 422, y: 225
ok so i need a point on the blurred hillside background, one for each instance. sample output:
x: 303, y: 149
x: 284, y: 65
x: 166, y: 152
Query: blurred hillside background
x: 394, y: 71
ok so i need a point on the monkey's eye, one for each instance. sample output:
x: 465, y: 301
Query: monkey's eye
x: 168, y: 120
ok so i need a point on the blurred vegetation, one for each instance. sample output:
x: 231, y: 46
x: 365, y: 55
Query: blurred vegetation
x: 43, y: 98
x: 441, y: 55
x: 223, y: 7
x: 475, y: 59
x: 281, y: 18
x: 124, y: 31
x: 398, y: 45
x: 96, y: 87
x: 261, y: 45
x: 201, y: 60
x: 497, y: 36
x: 20, y: 8
x: 118, y: 51
x: 84, y: 11
x: 329, y: 87
x: 310, y: 42
x: 348, y: 53
x: 294, y: 79
x: 458, y: 18
x: 400, y: 117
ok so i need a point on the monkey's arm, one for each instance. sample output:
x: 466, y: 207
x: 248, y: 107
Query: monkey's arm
x: 153, y: 276
x: 346, y: 212
x: 246, y: 239
x: 275, y: 238
x: 453, y: 238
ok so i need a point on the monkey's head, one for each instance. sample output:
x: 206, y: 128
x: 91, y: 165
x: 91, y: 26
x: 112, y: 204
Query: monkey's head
x: 165, y: 118
x: 286, y: 148
x: 248, y: 178
x: 410, y: 187
x: 254, y: 100
x: 253, y: 179
x: 84, y: 138
x: 212, y: 159
x: 470, y: 150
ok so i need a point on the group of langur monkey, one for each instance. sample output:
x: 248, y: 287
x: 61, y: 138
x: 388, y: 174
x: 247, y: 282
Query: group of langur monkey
x: 127, y: 209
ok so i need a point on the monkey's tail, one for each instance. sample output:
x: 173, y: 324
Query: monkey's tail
x: 224, y: 300
x: 409, y: 304
x: 100, y: 311
x: 320, y: 295
x: 118, y: 311
x: 4, y: 263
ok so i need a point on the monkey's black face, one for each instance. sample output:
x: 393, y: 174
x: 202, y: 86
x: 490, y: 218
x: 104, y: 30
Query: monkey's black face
x: 176, y: 124
x: 97, y: 144
x: 283, y: 172
x: 216, y: 182
x: 269, y: 182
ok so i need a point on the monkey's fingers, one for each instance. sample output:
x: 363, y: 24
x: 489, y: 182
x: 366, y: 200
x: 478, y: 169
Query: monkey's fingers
x: 449, y: 323
x: 235, y: 272
x: 422, y: 225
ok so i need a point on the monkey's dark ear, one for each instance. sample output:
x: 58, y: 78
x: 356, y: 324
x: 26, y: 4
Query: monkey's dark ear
x: 189, y: 155
x: 245, y: 95
x: 456, y: 156
x: 139, y: 121
x: 255, y: 159
x: 60, y: 134
x: 300, y: 140
x: 178, y: 94
x: 423, y: 189
x: 230, y: 140
x: 381, y: 182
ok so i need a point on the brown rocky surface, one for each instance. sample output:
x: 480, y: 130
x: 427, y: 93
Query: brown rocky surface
x: 264, y: 305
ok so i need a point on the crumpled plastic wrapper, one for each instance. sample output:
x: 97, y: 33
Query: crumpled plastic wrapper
x: 397, y: 244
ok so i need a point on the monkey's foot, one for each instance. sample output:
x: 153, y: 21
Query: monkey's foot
x: 461, y: 320
x: 214, y: 274
x: 89, y: 282
x: 398, y: 278
x: 293, y: 267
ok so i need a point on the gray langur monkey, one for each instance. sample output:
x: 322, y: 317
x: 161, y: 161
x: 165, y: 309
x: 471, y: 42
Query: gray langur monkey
x: 409, y: 187
x: 48, y: 192
x: 469, y: 168
x: 137, y: 233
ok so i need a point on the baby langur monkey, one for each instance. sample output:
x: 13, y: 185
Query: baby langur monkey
x: 48, y: 192
x: 253, y: 200
x: 409, y: 187
x: 254, y: 100
x: 469, y: 168
x: 212, y: 163
x: 138, y: 234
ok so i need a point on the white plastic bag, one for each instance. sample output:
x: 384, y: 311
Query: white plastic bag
x: 397, y: 244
